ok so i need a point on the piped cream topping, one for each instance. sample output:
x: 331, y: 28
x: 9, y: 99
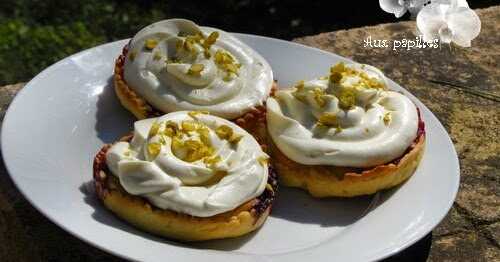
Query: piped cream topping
x: 190, y: 162
x: 348, y: 118
x: 177, y: 65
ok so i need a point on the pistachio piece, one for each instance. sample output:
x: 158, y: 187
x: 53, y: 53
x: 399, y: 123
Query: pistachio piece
x: 188, y: 125
x: 171, y: 129
x: 387, y: 118
x: 210, y: 161
x: 235, y: 138
x: 224, y: 132
x: 193, y: 114
x: 318, y: 96
x: 150, y: 43
x: 300, y: 85
x: 336, y: 72
x: 154, y: 149
x: 196, y: 69
x: 204, y: 134
x: 263, y: 160
x: 153, y: 131
x: 196, y: 150
x: 328, y: 119
x: 211, y: 39
x: 347, y: 99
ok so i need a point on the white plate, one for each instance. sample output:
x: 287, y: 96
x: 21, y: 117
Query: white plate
x: 64, y: 115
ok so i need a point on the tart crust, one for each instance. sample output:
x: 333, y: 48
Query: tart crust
x: 143, y: 215
x: 253, y: 121
x: 333, y: 181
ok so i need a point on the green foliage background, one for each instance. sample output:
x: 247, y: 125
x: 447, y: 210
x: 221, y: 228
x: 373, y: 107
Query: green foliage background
x: 35, y: 34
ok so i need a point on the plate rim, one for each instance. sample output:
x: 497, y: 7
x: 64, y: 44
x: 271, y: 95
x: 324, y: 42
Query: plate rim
x: 381, y: 254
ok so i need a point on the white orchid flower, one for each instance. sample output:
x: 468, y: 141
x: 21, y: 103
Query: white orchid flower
x: 453, y: 22
x: 399, y: 7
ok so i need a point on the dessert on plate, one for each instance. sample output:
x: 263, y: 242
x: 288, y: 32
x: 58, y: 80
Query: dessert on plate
x: 175, y: 65
x: 344, y: 134
x: 187, y: 175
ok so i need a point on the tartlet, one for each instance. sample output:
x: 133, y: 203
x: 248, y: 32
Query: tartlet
x: 344, y: 134
x: 187, y: 176
x: 175, y: 65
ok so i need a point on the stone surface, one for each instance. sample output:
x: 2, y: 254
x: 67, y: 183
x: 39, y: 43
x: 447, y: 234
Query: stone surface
x: 470, y: 231
x: 493, y: 232
x: 465, y: 246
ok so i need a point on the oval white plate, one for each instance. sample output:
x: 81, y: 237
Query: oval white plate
x: 64, y: 115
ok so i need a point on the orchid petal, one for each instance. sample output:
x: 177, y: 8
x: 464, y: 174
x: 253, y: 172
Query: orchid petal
x: 459, y: 3
x: 465, y: 25
x: 393, y: 6
x: 430, y: 20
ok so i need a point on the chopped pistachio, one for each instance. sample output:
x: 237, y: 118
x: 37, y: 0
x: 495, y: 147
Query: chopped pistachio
x: 196, y: 69
x: 193, y: 114
x: 211, y: 39
x: 188, y: 125
x: 235, y: 138
x: 335, y: 77
x: 232, y: 68
x: 212, y: 160
x: 347, y: 99
x: 336, y: 72
x: 227, y: 77
x: 171, y: 129
x: 300, y: 85
x: 269, y: 187
x: 153, y: 131
x: 154, y: 149
x: 204, y: 133
x: 196, y: 150
x: 163, y: 141
x: 207, y: 53
x: 188, y: 45
x: 151, y: 43
x: 318, y: 96
x: 177, y: 144
x: 328, y: 119
x: 263, y: 160
x: 222, y: 57
x: 224, y: 132
x: 195, y: 38
x: 387, y: 118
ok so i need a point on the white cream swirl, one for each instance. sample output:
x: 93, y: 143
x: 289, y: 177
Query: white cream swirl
x: 191, y: 163
x: 176, y: 65
x: 345, y: 119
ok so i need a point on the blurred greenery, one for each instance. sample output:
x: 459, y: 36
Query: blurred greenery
x: 36, y: 33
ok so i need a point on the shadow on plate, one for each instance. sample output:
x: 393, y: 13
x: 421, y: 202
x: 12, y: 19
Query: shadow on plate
x: 297, y: 205
x: 112, y: 119
x: 103, y: 215
x: 418, y: 252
